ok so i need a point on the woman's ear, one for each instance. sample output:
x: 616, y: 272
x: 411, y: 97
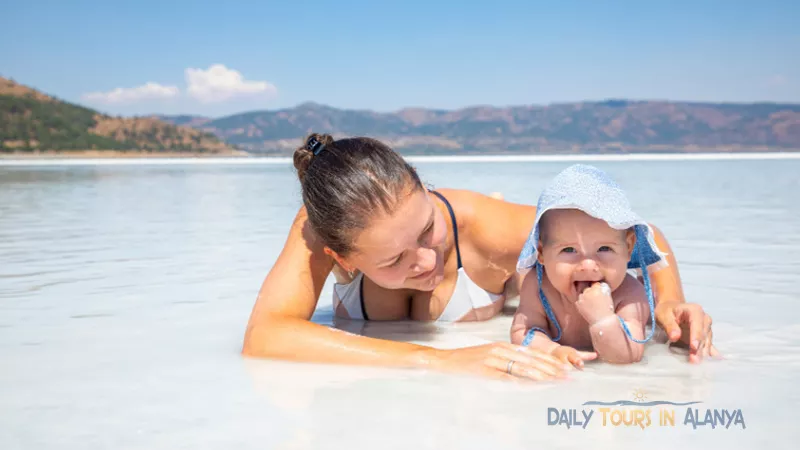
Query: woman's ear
x: 339, y: 260
x: 630, y: 241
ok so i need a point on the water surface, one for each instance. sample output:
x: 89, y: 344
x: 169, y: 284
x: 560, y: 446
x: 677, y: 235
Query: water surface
x: 125, y: 290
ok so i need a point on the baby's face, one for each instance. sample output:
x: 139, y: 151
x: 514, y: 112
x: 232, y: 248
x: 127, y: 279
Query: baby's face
x: 578, y: 250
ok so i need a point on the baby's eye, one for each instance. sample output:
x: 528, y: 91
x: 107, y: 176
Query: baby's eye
x: 605, y: 248
x: 568, y: 250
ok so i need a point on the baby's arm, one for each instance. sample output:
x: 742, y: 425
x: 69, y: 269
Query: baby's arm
x: 530, y: 314
x: 608, y: 336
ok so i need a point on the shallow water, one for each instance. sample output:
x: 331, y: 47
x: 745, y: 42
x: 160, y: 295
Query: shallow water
x: 125, y: 290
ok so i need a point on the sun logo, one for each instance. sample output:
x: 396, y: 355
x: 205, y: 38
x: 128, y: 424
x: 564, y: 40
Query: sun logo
x: 638, y: 395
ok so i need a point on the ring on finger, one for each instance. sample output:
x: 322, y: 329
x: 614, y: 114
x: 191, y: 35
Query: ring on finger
x: 509, y: 366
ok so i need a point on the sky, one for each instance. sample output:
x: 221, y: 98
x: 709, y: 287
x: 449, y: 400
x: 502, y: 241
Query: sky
x: 218, y: 58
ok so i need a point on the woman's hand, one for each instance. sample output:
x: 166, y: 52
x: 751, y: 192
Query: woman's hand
x: 500, y: 360
x: 691, y: 325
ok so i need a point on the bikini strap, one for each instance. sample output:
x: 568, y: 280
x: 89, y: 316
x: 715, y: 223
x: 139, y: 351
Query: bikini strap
x: 455, y: 225
x: 361, y: 298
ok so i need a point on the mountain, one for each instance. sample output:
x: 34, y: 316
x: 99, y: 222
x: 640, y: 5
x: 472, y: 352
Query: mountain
x: 33, y: 121
x: 607, y: 126
x: 185, y: 120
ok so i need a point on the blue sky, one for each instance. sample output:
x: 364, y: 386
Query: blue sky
x: 222, y: 58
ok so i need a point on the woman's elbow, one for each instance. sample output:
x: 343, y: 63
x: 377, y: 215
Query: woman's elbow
x: 253, y: 345
x: 259, y: 340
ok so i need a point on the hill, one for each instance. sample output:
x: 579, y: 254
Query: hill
x: 33, y: 121
x: 608, y: 126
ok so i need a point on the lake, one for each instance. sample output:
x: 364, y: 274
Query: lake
x: 125, y: 288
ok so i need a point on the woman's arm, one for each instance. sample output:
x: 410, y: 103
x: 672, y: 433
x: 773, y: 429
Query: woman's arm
x: 280, y: 327
x: 666, y: 281
x: 684, y: 322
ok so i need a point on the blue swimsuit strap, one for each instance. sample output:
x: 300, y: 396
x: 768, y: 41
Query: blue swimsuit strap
x: 640, y: 238
x: 455, y: 225
x: 361, y: 298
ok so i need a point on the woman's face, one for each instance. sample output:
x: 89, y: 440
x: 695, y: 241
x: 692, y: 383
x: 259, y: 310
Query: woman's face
x: 404, y: 249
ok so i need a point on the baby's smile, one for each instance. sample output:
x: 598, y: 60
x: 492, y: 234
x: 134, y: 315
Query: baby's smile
x: 582, y: 285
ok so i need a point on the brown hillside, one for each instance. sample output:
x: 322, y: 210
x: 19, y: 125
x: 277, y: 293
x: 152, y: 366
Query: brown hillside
x: 12, y: 88
x: 33, y: 121
x: 150, y: 133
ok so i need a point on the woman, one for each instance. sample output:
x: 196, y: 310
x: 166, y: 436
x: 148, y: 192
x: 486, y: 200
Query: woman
x: 400, y: 251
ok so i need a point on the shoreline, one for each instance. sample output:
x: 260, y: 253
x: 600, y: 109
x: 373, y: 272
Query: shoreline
x: 114, y: 154
x: 138, y: 154
x: 141, y: 158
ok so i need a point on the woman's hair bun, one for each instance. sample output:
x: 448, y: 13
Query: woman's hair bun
x: 313, y: 145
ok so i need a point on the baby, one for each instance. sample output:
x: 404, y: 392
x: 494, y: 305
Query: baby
x: 580, y: 295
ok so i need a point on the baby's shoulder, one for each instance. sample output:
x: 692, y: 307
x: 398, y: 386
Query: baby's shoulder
x: 630, y: 291
x: 530, y: 292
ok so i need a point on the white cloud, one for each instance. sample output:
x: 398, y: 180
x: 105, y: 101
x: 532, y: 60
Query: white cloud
x: 215, y: 84
x: 149, y: 91
x: 218, y: 83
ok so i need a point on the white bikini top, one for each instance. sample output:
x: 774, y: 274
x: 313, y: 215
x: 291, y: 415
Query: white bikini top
x: 466, y: 297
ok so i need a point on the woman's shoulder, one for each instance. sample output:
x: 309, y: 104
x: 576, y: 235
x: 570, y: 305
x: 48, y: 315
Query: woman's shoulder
x: 496, y: 229
x: 472, y: 207
x: 301, y: 234
x: 466, y: 202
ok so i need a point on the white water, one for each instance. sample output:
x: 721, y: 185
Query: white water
x: 125, y: 289
x: 739, y: 156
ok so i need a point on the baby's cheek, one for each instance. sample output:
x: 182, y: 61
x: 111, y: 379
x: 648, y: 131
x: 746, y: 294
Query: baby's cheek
x: 616, y: 274
x: 562, y: 277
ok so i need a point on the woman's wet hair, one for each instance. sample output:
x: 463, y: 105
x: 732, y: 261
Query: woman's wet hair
x: 347, y: 182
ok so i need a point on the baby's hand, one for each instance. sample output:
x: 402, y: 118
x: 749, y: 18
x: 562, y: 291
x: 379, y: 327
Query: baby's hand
x: 595, y: 303
x: 572, y: 356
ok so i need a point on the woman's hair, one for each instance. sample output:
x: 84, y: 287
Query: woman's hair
x: 346, y: 182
